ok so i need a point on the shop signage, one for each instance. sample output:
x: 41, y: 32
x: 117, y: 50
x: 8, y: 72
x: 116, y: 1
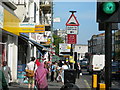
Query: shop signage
x: 11, y: 23
x: 64, y: 47
x: 1, y: 16
x: 26, y: 27
x: 39, y: 28
x: 41, y: 38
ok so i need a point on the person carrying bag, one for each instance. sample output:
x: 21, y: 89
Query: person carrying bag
x: 30, y: 73
x: 30, y: 69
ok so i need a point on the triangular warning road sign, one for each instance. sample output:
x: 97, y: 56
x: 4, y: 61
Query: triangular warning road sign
x: 72, y: 21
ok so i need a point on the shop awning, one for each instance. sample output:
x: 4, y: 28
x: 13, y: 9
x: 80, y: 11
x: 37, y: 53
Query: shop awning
x: 41, y: 47
x: 37, y: 44
x: 55, y: 58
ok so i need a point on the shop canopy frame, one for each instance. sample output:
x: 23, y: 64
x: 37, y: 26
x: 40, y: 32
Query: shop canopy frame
x: 39, y: 47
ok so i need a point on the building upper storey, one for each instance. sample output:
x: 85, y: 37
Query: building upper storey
x: 10, y: 3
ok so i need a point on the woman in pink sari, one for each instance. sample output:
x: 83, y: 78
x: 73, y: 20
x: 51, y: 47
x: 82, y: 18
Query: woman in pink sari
x: 40, y: 77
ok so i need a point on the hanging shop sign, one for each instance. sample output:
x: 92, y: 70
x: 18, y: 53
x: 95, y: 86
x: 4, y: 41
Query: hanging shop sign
x: 39, y: 28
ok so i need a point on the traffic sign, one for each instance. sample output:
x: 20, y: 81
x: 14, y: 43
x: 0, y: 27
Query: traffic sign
x: 72, y: 29
x: 71, y: 38
x: 72, y: 21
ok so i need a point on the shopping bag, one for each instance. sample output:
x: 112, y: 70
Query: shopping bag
x: 80, y: 74
x: 59, y: 77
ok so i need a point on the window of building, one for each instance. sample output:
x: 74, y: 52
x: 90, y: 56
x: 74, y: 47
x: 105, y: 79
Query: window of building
x: 19, y: 1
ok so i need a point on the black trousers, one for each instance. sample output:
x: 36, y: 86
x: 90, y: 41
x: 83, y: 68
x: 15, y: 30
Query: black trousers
x: 78, y: 73
x: 52, y: 76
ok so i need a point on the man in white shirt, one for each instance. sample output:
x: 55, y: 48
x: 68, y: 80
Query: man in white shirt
x: 63, y: 68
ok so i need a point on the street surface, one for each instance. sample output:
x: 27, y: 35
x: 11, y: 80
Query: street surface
x: 84, y: 82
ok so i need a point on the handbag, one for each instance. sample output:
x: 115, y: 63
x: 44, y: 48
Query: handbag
x: 29, y: 73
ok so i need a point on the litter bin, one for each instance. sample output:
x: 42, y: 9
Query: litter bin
x: 69, y: 76
x: 69, y: 86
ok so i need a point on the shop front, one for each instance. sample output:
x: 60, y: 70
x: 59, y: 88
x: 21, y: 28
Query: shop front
x: 9, y: 40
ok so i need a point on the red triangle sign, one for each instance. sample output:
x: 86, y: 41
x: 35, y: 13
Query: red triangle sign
x: 72, y: 21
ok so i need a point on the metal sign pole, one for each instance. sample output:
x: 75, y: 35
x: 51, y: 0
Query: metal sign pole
x: 71, y: 50
x: 108, y: 55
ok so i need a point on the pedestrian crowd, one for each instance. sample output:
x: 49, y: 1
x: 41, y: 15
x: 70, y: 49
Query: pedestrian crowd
x: 38, y: 72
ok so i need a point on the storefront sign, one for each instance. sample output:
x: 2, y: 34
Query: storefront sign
x: 63, y: 47
x: 41, y: 38
x: 39, y: 28
x: 1, y: 16
x: 11, y: 23
x: 26, y: 27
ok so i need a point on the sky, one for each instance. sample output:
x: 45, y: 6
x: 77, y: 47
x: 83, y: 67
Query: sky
x: 86, y: 16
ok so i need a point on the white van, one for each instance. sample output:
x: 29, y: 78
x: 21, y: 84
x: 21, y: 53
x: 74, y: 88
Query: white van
x: 96, y: 63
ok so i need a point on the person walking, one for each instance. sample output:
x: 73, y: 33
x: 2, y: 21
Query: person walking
x: 7, y: 72
x: 60, y: 63
x: 3, y: 83
x: 63, y: 68
x: 31, y: 66
x: 78, y: 69
x: 57, y: 71
x: 40, y: 77
x: 52, y: 71
x: 47, y: 67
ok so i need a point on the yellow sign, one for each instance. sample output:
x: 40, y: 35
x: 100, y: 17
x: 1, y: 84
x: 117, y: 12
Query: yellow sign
x: 26, y: 30
x: 39, y: 28
x: 11, y: 23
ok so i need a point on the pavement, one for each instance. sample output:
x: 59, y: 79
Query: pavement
x: 82, y: 84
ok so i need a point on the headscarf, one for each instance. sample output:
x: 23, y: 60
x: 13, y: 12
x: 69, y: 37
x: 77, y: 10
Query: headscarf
x: 40, y: 76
